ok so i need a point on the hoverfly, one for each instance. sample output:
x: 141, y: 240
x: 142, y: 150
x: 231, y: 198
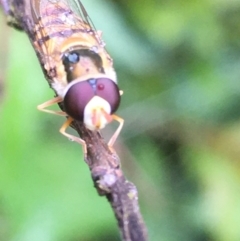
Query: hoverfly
x: 77, y: 66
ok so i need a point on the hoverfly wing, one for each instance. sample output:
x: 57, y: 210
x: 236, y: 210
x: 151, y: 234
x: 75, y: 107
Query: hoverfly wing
x: 68, y: 13
x: 83, y: 13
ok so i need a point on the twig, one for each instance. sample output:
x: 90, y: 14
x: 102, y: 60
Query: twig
x: 103, y: 163
x: 110, y: 181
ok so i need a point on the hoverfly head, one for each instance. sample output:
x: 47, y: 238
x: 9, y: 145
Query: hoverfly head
x: 92, y: 101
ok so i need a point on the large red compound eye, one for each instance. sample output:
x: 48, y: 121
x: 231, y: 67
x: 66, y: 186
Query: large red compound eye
x: 77, y: 98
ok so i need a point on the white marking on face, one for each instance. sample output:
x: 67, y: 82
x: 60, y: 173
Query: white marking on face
x: 96, y: 108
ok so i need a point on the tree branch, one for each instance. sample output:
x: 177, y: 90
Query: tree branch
x: 109, y: 180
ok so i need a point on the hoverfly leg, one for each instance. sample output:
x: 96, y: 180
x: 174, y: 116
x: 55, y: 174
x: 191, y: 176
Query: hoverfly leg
x: 115, y: 135
x: 71, y: 137
x: 51, y: 102
x: 66, y: 124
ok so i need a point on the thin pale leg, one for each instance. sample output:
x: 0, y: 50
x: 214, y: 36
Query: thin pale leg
x: 66, y: 124
x: 71, y: 137
x: 51, y: 102
x: 115, y: 135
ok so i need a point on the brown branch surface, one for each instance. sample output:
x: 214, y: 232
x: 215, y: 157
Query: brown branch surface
x: 104, y: 164
x: 109, y: 180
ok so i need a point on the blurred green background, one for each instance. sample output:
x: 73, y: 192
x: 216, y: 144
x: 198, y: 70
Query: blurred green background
x: 178, y: 63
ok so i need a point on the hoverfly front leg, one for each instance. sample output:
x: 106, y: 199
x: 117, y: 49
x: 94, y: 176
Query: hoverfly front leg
x: 71, y: 137
x: 66, y: 124
x: 51, y: 102
x: 115, y: 135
